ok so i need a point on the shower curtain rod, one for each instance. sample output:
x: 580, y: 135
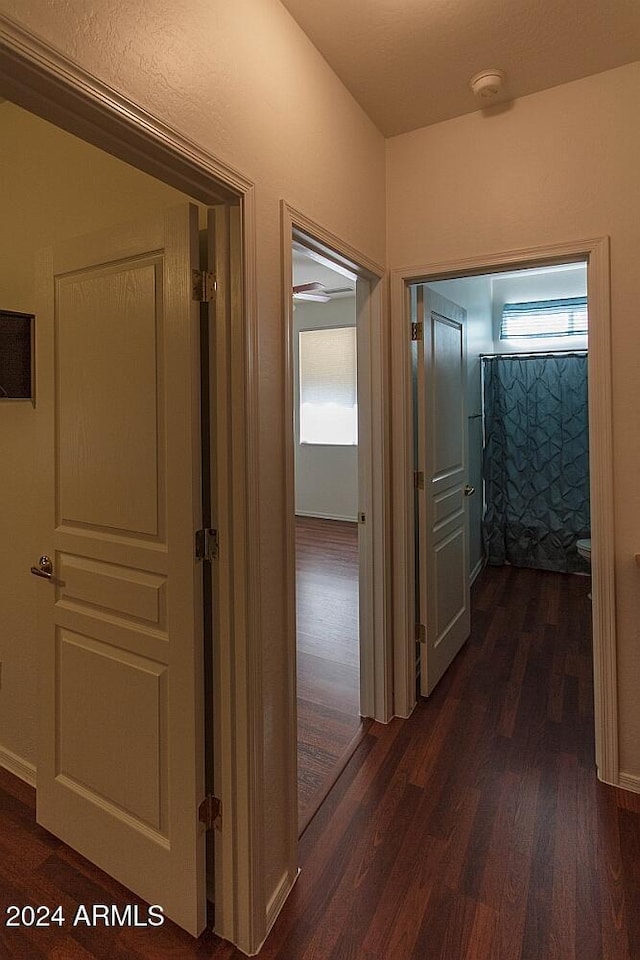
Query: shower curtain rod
x: 540, y: 353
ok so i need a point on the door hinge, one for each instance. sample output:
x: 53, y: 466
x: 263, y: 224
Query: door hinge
x: 421, y: 633
x: 210, y: 812
x: 203, y: 286
x: 207, y: 546
x: 417, y: 330
x: 418, y: 479
x: 362, y: 518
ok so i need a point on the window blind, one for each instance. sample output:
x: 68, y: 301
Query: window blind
x: 544, y: 318
x: 328, y: 386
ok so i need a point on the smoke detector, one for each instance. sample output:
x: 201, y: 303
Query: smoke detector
x: 488, y: 83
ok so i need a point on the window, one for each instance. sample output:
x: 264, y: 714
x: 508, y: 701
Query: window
x: 328, y: 386
x: 544, y: 318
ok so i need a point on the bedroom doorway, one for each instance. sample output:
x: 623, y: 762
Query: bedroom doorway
x: 325, y: 402
x: 337, y: 532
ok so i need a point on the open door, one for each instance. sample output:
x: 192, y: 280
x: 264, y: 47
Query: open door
x: 121, y: 753
x: 441, y: 544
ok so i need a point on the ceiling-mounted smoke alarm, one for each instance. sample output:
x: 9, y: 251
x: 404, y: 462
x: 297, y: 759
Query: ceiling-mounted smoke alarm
x: 487, y: 83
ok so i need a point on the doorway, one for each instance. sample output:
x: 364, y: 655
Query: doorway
x: 325, y: 403
x: 595, y: 254
x: 336, y: 559
x: 90, y: 585
x: 502, y: 378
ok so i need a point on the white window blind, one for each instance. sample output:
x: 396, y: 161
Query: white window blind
x: 544, y: 318
x: 328, y: 386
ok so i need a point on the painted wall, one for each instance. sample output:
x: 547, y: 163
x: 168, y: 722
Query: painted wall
x: 555, y: 166
x: 474, y: 294
x: 49, y: 193
x: 242, y: 81
x: 326, y: 476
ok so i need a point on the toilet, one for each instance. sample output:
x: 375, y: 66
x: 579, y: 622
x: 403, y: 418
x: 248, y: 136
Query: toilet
x: 584, y: 549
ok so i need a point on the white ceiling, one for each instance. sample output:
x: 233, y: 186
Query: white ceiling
x: 306, y: 269
x: 408, y: 62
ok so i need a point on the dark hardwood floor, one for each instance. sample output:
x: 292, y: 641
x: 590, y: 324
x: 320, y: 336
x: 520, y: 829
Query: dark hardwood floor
x: 329, y: 724
x: 475, y: 830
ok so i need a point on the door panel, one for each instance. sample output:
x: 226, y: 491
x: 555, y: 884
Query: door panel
x: 443, y: 580
x: 103, y: 408
x: 121, y: 758
x: 120, y: 698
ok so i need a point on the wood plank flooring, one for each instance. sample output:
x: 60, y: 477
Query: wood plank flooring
x: 475, y: 830
x: 329, y: 724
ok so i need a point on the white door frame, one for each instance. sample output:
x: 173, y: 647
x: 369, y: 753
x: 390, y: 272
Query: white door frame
x: 40, y: 79
x: 376, y: 666
x: 595, y: 252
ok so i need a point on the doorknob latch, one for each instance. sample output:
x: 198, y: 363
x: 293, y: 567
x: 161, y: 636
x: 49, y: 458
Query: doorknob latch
x: 44, y: 568
x: 469, y: 490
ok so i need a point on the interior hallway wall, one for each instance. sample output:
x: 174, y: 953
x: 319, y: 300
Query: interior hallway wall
x: 245, y: 83
x: 54, y: 187
x: 551, y: 167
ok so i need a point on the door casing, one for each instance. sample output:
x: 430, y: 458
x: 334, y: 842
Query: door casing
x: 595, y: 252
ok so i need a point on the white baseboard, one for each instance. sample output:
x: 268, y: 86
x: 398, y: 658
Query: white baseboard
x: 277, y: 901
x: 629, y: 781
x: 324, y: 516
x: 17, y: 766
x: 480, y: 565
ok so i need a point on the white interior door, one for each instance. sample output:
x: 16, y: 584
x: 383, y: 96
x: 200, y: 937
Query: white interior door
x: 121, y: 758
x: 443, y: 570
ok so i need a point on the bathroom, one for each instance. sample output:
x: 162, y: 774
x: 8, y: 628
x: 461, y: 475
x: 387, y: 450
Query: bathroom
x: 527, y: 417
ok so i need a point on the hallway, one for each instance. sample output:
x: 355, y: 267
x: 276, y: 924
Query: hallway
x: 475, y: 830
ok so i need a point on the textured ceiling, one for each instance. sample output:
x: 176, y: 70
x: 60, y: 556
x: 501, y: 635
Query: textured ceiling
x: 408, y: 62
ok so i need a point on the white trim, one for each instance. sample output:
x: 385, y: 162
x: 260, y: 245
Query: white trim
x: 20, y: 768
x: 629, y: 781
x: 403, y: 557
x: 596, y: 252
x: 278, y: 900
x: 41, y: 79
x: 291, y: 748
x: 477, y: 570
x: 325, y: 516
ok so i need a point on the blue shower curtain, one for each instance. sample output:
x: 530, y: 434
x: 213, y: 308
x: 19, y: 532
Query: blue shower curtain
x: 536, y: 461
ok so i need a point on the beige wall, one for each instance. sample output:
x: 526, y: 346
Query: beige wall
x: 556, y: 166
x: 243, y: 81
x: 53, y: 187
